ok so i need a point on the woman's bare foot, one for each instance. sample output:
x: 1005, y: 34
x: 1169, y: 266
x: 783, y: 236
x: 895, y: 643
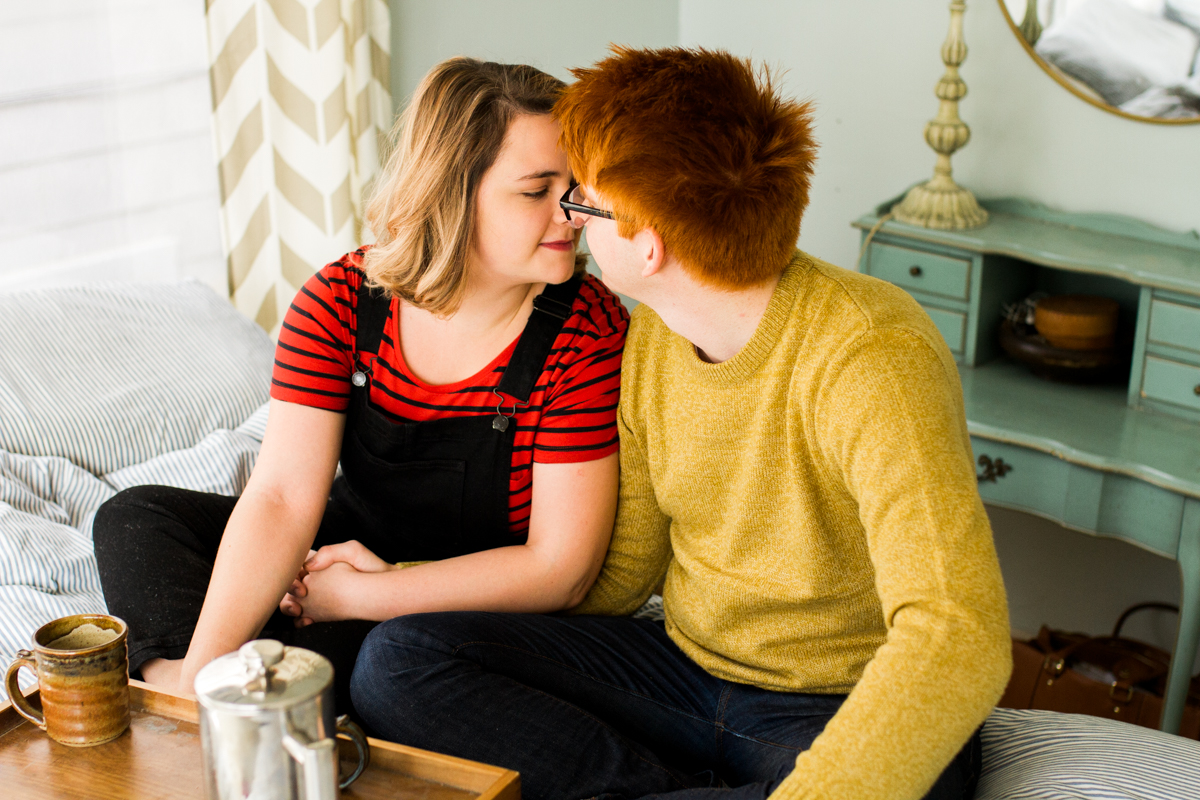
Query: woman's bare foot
x: 163, y: 672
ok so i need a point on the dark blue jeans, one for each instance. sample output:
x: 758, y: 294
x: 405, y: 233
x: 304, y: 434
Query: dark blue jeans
x: 590, y: 707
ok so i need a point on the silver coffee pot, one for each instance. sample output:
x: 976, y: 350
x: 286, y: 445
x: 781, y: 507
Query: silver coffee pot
x: 267, y: 725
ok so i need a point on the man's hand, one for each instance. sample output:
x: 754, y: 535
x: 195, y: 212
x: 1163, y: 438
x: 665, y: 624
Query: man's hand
x: 352, y: 553
x: 324, y: 589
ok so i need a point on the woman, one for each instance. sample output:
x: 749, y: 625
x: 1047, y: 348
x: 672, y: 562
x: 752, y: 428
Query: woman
x: 463, y: 370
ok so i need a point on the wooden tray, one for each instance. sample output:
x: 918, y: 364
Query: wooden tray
x: 159, y: 757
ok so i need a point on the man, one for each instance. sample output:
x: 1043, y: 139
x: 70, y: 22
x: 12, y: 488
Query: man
x: 794, y: 461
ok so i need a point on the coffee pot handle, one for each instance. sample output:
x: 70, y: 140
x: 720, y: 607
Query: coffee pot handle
x: 318, y: 766
x: 355, y: 734
x: 24, y: 659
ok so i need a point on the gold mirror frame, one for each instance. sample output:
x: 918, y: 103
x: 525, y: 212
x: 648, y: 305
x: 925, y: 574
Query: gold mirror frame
x: 1067, y: 83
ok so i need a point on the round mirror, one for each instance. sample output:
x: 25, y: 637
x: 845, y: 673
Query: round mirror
x: 1136, y: 58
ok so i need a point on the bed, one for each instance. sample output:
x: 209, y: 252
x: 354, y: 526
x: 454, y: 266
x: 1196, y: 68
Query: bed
x: 104, y: 387
x: 108, y: 386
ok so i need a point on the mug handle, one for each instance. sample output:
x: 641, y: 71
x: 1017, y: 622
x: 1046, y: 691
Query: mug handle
x: 356, y: 735
x: 24, y: 659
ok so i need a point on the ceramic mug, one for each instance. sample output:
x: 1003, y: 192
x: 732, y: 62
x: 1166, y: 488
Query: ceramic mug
x: 83, y: 678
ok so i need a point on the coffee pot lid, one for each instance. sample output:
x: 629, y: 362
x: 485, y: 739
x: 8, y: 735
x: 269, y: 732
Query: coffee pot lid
x: 263, y: 674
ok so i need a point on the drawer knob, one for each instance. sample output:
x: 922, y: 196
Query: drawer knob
x: 1197, y: 389
x: 915, y: 271
x: 992, y: 470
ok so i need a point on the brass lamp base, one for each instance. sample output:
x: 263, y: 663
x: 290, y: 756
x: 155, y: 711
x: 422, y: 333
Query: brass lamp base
x: 942, y: 204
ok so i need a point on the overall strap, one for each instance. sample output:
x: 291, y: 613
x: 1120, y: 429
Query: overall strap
x: 374, y: 306
x: 550, y: 310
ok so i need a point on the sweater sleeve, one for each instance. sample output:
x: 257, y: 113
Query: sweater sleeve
x: 641, y: 545
x: 892, y: 430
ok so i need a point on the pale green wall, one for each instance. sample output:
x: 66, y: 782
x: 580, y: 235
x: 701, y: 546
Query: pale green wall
x: 550, y: 34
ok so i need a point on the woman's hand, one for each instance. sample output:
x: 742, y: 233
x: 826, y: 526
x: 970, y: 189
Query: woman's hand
x: 289, y: 604
x: 324, y: 589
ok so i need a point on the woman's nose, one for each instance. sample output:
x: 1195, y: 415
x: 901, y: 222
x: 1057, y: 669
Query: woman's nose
x: 562, y: 217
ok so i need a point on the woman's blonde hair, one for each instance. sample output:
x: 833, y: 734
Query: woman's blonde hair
x: 422, y: 209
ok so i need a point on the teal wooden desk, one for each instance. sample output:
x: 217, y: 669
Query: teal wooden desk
x: 1120, y: 461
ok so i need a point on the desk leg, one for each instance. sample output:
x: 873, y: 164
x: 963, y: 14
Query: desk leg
x: 1188, y: 634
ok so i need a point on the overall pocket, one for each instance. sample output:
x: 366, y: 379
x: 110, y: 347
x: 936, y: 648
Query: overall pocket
x: 419, y: 502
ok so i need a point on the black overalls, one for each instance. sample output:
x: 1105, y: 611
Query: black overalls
x: 438, y: 489
x: 408, y: 491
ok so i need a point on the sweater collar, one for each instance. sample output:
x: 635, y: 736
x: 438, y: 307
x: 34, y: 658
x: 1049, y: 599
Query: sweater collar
x: 766, y: 335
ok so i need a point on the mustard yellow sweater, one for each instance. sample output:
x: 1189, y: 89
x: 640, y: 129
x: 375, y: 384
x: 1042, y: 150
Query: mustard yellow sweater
x: 813, y: 504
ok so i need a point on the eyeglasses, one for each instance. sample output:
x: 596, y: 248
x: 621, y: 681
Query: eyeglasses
x: 572, y: 201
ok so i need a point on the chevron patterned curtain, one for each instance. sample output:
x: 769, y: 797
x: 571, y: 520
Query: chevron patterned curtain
x: 301, y: 103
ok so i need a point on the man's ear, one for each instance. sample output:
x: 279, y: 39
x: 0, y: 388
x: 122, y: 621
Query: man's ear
x: 651, y: 251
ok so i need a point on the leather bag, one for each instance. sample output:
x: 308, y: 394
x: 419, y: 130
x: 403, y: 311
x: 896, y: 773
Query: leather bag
x: 1102, y: 676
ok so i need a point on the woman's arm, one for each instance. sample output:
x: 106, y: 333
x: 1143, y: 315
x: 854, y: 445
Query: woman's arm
x: 571, y: 519
x: 270, y: 531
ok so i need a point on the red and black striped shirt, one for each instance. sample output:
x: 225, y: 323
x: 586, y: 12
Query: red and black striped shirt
x: 571, y: 415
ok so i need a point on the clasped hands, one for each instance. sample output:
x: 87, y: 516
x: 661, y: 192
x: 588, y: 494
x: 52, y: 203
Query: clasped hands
x: 328, y: 581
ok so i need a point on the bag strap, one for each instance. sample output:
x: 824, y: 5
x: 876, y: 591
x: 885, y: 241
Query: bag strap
x: 1127, y: 613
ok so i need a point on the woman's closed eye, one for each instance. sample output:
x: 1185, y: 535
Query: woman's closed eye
x: 537, y: 195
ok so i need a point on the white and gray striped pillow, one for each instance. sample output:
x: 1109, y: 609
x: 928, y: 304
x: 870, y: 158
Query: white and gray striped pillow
x: 1045, y: 755
x: 110, y: 375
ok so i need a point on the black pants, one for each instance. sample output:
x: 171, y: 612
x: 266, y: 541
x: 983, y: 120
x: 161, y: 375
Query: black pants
x: 155, y: 549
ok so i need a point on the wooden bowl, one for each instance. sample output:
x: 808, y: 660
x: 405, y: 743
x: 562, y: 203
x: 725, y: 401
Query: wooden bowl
x: 1110, y: 365
x: 1077, y: 321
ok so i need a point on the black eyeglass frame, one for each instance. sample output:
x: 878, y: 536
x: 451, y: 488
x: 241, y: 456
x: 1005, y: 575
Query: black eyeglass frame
x: 567, y: 207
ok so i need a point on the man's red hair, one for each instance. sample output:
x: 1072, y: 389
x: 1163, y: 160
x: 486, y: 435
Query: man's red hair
x: 693, y: 144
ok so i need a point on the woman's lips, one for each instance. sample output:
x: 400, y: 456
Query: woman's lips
x: 563, y: 245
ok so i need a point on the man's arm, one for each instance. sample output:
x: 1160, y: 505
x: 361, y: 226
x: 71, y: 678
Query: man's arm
x: 641, y: 542
x: 890, y: 423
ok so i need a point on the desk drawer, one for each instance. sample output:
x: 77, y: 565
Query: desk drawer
x: 1088, y: 499
x: 1175, y: 324
x: 920, y: 271
x: 1171, y: 382
x: 952, y: 325
x: 1031, y: 479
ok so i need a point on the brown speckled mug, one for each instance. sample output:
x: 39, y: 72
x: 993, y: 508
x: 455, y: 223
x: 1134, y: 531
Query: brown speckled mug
x: 83, y: 678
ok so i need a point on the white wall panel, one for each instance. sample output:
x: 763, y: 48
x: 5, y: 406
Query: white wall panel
x: 192, y: 225
x: 75, y: 124
x: 71, y: 190
x: 152, y: 260
x: 106, y: 159
x: 77, y: 46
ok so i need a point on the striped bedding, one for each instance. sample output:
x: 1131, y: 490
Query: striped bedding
x: 47, y: 567
x: 110, y: 375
